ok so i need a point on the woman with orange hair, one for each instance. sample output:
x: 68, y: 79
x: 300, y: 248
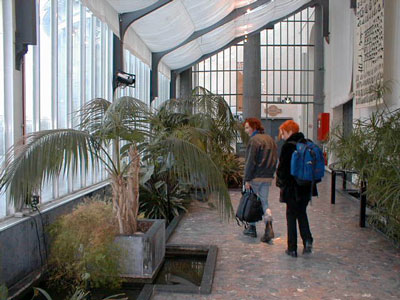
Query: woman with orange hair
x: 296, y: 197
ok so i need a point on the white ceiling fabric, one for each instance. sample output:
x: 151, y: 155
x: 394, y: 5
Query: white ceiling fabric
x: 134, y: 44
x: 204, y: 13
x: 173, y: 23
x: 164, y: 69
x: 123, y: 6
x: 166, y: 27
x: 105, y: 12
x: 221, y: 36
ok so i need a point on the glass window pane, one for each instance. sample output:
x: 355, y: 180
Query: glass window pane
x: 263, y: 37
x: 284, y: 57
x: 220, y: 89
x: 2, y: 106
x: 283, y: 34
x: 227, y: 57
x: 270, y: 57
x: 213, y: 62
x: 213, y: 80
x: 201, y: 66
x: 220, y: 61
x: 277, y: 58
x: 263, y: 51
x: 29, y: 91
x: 277, y: 39
x: 233, y: 58
x: 270, y: 34
x: 201, y: 79
x: 270, y: 78
x: 263, y: 82
x: 98, y: 56
x: 284, y: 82
x: 227, y: 85
x: 277, y: 82
x: 291, y: 58
x: 76, y: 77
x: 46, y: 192
x: 88, y: 55
x: 62, y: 64
x: 207, y: 64
x: 45, y: 65
x: 233, y: 83
x: 240, y: 54
x: 207, y: 85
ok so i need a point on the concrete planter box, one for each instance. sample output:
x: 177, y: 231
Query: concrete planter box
x: 143, y: 254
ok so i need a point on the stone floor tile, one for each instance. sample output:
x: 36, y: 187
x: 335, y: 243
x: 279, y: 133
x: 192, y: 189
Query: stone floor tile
x: 348, y: 262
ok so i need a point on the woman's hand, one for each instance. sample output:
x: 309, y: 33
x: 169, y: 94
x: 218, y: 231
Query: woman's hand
x: 247, y: 185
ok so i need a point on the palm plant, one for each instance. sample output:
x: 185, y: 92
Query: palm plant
x: 372, y: 149
x: 43, y: 155
x: 162, y: 195
x: 205, y: 112
x: 205, y: 120
x: 78, y: 295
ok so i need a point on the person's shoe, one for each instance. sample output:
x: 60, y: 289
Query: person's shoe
x: 250, y: 231
x: 291, y: 253
x: 268, y: 233
x: 307, y: 247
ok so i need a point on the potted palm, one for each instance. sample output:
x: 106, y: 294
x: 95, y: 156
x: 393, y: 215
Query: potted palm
x: 205, y: 120
x: 115, y: 134
x: 372, y: 150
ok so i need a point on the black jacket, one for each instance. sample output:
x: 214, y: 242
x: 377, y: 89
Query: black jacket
x: 261, y: 157
x: 290, y: 190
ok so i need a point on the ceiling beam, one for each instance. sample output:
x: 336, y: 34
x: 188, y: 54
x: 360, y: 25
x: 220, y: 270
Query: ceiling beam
x: 269, y: 25
x: 325, y: 17
x: 126, y: 19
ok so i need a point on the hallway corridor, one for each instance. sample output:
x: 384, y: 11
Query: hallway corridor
x: 348, y: 262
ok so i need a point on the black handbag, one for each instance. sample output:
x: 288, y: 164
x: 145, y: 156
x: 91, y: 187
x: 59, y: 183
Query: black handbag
x: 249, y: 209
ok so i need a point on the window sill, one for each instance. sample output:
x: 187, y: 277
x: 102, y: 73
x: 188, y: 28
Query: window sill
x: 10, y: 221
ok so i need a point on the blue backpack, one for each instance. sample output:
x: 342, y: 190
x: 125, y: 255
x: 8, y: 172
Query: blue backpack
x: 308, y: 163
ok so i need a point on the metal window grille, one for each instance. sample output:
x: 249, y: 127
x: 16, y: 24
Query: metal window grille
x: 287, y: 66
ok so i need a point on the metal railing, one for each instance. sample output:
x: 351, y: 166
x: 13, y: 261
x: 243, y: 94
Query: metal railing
x: 361, y: 190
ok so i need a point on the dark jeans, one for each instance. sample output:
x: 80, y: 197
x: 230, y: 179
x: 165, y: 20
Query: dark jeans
x: 297, y: 211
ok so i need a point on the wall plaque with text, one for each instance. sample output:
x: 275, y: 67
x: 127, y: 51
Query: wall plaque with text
x: 368, y: 51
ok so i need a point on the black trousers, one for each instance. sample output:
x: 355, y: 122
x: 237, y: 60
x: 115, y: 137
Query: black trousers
x: 297, y: 211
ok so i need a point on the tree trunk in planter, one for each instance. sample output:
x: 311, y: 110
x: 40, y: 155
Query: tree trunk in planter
x: 125, y: 191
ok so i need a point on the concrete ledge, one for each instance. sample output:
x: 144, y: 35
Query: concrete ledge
x: 172, y: 226
x: 143, y: 254
x: 209, y: 269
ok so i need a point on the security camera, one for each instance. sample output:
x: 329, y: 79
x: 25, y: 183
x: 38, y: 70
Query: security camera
x: 125, y: 79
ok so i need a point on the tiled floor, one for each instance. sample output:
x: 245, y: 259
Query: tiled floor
x: 348, y: 262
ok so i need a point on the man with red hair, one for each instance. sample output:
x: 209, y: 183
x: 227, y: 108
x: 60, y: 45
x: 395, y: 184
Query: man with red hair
x: 295, y: 196
x: 261, y: 157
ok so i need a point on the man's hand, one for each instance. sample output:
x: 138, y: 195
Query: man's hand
x: 247, y: 185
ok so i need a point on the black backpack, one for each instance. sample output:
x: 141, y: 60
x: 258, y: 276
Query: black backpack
x: 249, y: 209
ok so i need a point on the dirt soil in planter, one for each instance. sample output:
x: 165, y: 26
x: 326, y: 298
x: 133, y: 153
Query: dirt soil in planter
x: 143, y: 226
